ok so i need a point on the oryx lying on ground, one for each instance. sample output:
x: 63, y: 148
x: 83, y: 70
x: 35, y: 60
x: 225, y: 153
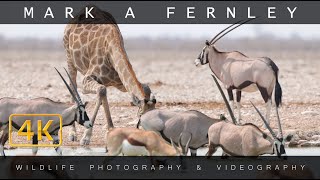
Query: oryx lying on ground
x: 136, y: 142
x: 173, y: 123
x: 69, y: 112
x: 245, y: 140
x: 238, y: 71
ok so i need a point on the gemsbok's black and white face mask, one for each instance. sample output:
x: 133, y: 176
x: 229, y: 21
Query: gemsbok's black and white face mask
x: 203, y: 56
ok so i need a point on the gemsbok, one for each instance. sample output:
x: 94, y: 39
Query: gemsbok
x: 172, y: 123
x: 69, y: 112
x: 247, y: 139
x: 238, y: 71
x: 137, y: 142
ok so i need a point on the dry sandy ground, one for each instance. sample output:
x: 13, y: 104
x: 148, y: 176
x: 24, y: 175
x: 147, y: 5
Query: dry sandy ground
x: 177, y: 84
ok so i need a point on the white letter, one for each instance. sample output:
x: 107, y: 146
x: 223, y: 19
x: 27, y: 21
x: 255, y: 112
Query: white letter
x: 88, y: 12
x: 91, y: 166
x: 271, y: 12
x: 190, y: 12
x: 219, y: 167
x: 48, y: 13
x: 28, y: 13
x: 169, y: 12
x: 232, y: 13
x: 285, y: 167
x: 69, y: 11
x: 291, y: 11
x: 210, y: 11
x: 302, y: 166
x: 19, y: 167
x: 130, y: 13
x: 249, y: 13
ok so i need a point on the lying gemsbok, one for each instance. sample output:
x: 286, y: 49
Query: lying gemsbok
x: 137, y: 142
x: 69, y: 112
x: 238, y: 71
x: 173, y: 123
x: 245, y: 140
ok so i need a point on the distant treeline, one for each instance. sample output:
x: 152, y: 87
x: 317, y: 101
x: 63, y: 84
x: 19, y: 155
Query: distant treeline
x: 262, y: 43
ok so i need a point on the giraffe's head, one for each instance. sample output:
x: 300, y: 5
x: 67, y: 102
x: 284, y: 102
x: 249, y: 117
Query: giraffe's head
x: 146, y: 104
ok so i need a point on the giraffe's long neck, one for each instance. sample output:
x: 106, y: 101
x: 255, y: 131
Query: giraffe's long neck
x: 124, y: 68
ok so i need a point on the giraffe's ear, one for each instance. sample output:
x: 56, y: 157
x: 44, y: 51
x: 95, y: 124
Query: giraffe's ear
x: 136, y: 101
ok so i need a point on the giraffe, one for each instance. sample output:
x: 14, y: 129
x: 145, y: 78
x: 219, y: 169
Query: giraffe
x: 97, y: 52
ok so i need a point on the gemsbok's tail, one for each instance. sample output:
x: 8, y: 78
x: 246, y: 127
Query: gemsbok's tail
x: 278, y: 92
x: 277, y: 88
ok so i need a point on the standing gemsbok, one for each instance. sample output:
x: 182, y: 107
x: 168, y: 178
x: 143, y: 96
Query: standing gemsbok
x: 69, y: 112
x: 238, y: 71
x: 247, y: 139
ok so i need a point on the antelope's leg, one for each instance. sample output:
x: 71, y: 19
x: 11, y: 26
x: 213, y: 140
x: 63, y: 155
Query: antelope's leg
x: 35, y: 142
x: 268, y: 108
x: 193, y: 152
x: 73, y: 133
x: 73, y: 74
x: 224, y: 155
x: 56, y: 140
x: 212, y: 150
x: 231, y: 99
x: 267, y: 99
x: 239, y: 105
x: 90, y: 85
x: 4, y: 139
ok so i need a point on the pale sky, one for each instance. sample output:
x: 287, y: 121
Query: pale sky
x: 55, y: 31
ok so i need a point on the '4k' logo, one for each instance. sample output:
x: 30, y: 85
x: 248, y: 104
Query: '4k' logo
x: 28, y: 130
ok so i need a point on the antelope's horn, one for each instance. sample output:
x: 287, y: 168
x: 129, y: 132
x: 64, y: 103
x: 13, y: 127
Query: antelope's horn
x: 74, y: 86
x: 265, y: 122
x: 224, y: 31
x: 232, y: 29
x: 279, y: 124
x: 225, y: 100
x: 74, y: 97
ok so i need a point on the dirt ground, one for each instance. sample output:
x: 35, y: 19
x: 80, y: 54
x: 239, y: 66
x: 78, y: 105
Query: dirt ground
x: 176, y: 83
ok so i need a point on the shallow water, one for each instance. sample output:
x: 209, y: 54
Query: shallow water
x: 96, y: 151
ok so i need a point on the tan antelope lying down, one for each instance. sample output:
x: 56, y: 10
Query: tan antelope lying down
x: 242, y: 73
x: 69, y: 112
x: 173, y: 123
x: 245, y: 140
x: 137, y: 142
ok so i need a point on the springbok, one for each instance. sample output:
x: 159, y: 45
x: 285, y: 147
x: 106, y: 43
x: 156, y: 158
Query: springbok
x: 173, y: 123
x: 238, y: 71
x: 136, y: 142
x: 69, y: 112
x: 245, y: 140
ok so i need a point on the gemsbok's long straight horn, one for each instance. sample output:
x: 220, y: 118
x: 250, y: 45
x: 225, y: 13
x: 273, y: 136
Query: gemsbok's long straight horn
x: 212, y: 42
x: 71, y: 92
x: 74, y: 86
x: 265, y: 122
x: 225, y: 30
x: 225, y: 100
x: 279, y: 124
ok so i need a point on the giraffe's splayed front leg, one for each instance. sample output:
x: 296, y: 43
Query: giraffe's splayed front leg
x: 85, y: 140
